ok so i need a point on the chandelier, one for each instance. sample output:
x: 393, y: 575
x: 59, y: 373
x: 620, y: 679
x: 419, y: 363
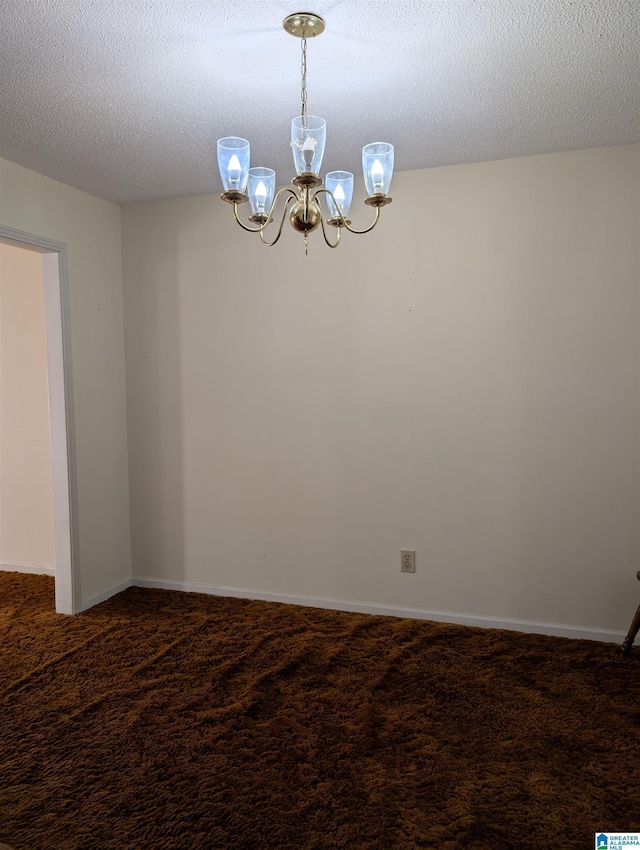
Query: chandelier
x: 302, y: 203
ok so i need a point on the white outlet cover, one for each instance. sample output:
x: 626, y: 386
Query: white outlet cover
x: 407, y: 560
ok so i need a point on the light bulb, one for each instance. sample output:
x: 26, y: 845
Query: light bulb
x: 377, y: 174
x: 308, y: 151
x: 338, y: 194
x: 234, y: 170
x: 261, y: 195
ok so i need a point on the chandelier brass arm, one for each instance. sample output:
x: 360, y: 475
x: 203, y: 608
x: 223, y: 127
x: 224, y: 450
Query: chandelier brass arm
x: 279, y: 233
x: 267, y: 218
x: 340, y: 221
x: 306, y: 214
x: 245, y: 226
x: 326, y: 238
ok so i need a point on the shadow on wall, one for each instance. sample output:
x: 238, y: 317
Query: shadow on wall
x: 153, y: 349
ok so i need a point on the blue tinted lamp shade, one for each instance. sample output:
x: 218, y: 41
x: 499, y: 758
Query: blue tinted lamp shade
x: 340, y: 184
x: 308, y: 137
x: 233, y: 162
x: 377, y: 167
x: 261, y: 189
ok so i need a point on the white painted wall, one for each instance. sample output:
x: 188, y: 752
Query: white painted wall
x: 91, y: 229
x: 26, y: 497
x: 463, y: 381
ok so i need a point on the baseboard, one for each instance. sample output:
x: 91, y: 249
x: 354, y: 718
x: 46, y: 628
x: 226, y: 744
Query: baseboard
x: 34, y: 569
x: 104, y: 595
x: 553, y: 629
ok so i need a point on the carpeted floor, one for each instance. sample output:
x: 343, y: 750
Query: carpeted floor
x: 169, y: 721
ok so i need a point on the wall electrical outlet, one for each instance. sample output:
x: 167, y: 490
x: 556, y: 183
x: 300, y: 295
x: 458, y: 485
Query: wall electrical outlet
x: 407, y: 560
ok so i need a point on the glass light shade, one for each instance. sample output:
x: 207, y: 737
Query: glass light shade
x: 340, y: 183
x: 233, y: 162
x: 308, y: 137
x: 261, y: 189
x: 377, y: 167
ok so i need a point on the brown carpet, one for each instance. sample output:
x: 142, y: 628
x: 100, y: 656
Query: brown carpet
x: 167, y: 721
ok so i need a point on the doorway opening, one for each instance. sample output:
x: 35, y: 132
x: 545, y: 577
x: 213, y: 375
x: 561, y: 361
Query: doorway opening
x: 60, y: 403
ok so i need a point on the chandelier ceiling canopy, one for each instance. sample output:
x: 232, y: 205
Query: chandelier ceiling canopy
x: 302, y: 204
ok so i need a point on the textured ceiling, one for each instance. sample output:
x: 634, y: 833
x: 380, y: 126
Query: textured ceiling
x: 126, y: 98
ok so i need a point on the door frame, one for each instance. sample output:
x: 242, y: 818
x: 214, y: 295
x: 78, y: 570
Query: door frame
x: 61, y: 419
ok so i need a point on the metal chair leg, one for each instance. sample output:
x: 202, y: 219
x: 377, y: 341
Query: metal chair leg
x: 633, y: 631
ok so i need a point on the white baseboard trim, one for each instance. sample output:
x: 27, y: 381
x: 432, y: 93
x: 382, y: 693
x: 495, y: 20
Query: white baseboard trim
x: 104, y: 595
x: 34, y: 569
x: 526, y: 626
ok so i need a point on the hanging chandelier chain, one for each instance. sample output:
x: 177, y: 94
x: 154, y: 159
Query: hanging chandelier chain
x: 303, y: 69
